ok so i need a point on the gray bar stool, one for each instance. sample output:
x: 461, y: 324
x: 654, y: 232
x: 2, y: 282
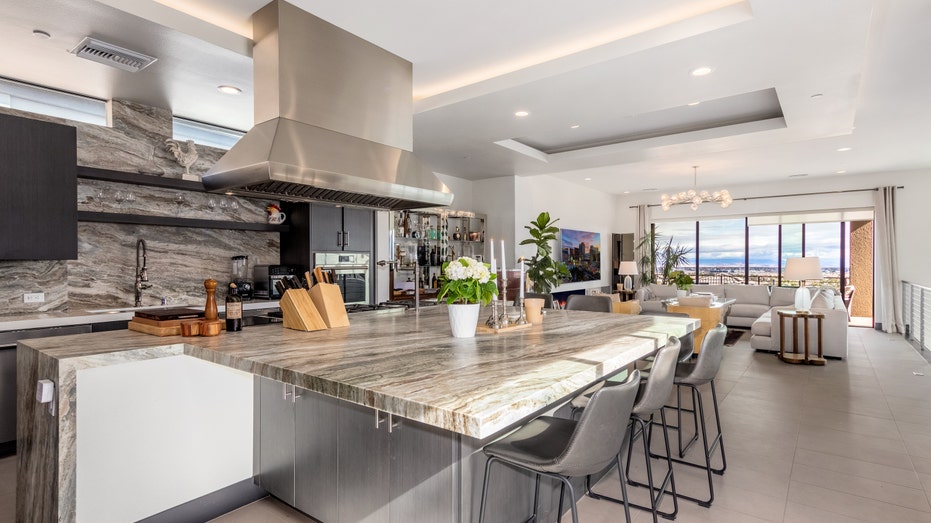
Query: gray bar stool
x: 653, y: 393
x: 582, y: 302
x: 561, y: 448
x: 692, y: 375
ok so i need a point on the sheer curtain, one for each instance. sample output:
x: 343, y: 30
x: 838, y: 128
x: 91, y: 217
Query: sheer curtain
x: 643, y: 227
x: 889, y: 312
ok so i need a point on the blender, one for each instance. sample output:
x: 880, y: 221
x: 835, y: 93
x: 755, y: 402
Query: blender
x: 241, y: 277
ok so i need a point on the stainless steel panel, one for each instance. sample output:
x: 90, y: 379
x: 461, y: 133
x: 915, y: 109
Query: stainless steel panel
x: 312, y: 71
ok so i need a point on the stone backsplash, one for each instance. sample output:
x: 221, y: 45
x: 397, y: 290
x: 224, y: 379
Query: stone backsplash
x: 179, y: 258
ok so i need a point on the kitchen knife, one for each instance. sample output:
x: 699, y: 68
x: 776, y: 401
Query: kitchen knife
x: 331, y: 278
x: 309, y: 282
x: 318, y: 275
x: 280, y: 286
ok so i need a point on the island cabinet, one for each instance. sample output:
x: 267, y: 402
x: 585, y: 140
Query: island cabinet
x: 341, y: 462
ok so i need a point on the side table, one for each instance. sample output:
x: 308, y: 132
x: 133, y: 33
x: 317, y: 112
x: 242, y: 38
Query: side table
x: 794, y: 356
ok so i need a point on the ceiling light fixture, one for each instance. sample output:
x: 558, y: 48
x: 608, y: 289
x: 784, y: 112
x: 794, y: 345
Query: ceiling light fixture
x: 702, y: 71
x: 840, y: 172
x: 38, y: 33
x: 843, y: 149
x: 576, y: 126
x: 588, y: 179
x: 816, y: 96
x: 521, y: 114
x: 693, y: 104
x: 799, y: 175
x: 695, y: 198
x: 229, y: 89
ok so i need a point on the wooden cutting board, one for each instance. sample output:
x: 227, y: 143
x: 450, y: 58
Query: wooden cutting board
x: 152, y: 329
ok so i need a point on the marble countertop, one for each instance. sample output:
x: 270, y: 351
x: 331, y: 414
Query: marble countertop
x: 42, y: 320
x: 407, y: 364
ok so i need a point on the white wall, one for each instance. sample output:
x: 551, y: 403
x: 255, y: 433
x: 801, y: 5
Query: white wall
x: 576, y: 207
x: 494, y: 197
x: 462, y: 191
x: 154, y: 434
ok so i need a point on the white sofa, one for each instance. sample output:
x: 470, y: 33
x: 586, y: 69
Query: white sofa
x: 651, y: 297
x: 754, y: 308
x: 765, y: 331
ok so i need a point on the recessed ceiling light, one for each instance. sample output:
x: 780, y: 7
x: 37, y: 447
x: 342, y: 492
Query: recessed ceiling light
x: 576, y: 126
x: 840, y: 172
x: 588, y: 179
x: 521, y: 114
x: 702, y: 71
x: 229, y: 89
x: 816, y: 96
x: 694, y: 104
x: 843, y: 149
x: 38, y: 33
x: 651, y: 189
x: 799, y: 175
x: 626, y: 192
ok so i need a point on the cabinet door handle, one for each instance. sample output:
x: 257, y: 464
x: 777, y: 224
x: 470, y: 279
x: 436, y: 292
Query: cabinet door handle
x: 345, y: 239
x: 339, y: 238
x: 285, y: 394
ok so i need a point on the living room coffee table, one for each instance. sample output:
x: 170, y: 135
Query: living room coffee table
x: 794, y: 356
x: 710, y: 316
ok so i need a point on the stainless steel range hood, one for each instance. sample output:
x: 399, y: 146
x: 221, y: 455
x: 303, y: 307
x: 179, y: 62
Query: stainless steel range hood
x: 336, y: 121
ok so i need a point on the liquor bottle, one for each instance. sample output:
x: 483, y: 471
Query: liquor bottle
x: 436, y: 282
x: 433, y: 256
x: 233, y: 310
x: 422, y: 254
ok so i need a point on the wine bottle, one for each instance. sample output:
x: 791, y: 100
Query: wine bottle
x: 233, y: 310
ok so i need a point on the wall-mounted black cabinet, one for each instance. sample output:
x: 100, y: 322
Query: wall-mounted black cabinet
x: 38, y: 190
x: 325, y: 228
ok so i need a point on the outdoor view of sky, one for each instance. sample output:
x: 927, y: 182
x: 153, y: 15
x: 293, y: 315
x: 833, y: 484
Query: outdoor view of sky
x: 722, y: 242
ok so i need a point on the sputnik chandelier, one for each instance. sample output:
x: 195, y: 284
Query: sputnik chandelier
x: 694, y: 197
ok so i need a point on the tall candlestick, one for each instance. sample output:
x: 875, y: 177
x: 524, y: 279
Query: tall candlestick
x: 521, y: 262
x: 494, y: 263
x: 504, y: 262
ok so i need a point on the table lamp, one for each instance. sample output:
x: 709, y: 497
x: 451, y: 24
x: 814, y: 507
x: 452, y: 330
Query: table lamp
x: 628, y: 269
x: 801, y: 269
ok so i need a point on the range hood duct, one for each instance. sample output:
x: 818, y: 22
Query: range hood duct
x: 336, y: 121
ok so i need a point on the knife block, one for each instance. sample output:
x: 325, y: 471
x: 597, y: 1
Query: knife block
x: 298, y: 311
x: 329, y: 302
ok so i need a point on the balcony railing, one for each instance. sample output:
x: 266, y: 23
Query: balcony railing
x: 916, y: 312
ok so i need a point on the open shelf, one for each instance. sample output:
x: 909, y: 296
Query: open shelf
x: 172, y: 221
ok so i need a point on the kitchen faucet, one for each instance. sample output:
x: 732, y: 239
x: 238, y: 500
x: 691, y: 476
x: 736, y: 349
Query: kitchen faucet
x: 142, y: 273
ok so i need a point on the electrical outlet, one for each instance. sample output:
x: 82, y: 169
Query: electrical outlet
x: 34, y: 297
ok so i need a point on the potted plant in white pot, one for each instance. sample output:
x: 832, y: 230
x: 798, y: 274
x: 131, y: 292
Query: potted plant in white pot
x: 466, y: 284
x: 542, y: 270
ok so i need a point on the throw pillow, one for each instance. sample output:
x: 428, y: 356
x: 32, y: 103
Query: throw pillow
x: 823, y: 299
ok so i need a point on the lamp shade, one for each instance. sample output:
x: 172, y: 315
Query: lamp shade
x: 628, y: 267
x: 807, y: 268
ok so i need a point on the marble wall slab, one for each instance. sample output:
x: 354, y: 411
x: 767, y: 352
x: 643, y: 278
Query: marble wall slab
x: 179, y: 258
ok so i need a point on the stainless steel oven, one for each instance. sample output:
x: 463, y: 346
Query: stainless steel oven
x: 350, y: 271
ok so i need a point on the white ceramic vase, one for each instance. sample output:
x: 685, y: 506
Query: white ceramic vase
x: 463, y: 318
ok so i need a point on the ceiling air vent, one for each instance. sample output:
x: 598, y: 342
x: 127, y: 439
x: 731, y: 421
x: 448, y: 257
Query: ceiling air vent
x: 112, y: 55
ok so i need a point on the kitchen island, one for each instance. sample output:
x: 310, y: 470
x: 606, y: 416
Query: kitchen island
x: 402, y: 364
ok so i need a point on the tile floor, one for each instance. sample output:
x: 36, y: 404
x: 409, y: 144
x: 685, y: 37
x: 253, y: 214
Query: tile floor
x: 850, y: 441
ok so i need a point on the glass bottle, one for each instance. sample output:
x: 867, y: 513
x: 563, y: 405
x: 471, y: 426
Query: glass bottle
x: 457, y: 235
x: 233, y: 310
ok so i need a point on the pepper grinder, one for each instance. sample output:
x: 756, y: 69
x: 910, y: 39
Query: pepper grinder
x: 210, y: 309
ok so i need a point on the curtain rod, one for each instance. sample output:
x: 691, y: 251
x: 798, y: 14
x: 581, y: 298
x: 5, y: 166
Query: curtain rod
x: 787, y: 195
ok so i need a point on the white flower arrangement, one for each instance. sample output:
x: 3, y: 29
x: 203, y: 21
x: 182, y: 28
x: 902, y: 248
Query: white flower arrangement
x: 466, y: 280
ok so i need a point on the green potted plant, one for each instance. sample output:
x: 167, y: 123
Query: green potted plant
x: 682, y: 280
x: 542, y: 270
x: 466, y: 284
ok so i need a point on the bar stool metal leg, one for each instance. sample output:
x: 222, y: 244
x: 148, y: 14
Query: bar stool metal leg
x: 716, y: 443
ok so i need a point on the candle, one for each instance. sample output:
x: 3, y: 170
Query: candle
x: 521, y: 262
x: 494, y: 263
x: 504, y: 262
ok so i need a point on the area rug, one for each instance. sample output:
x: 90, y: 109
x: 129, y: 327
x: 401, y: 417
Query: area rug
x: 734, y: 335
